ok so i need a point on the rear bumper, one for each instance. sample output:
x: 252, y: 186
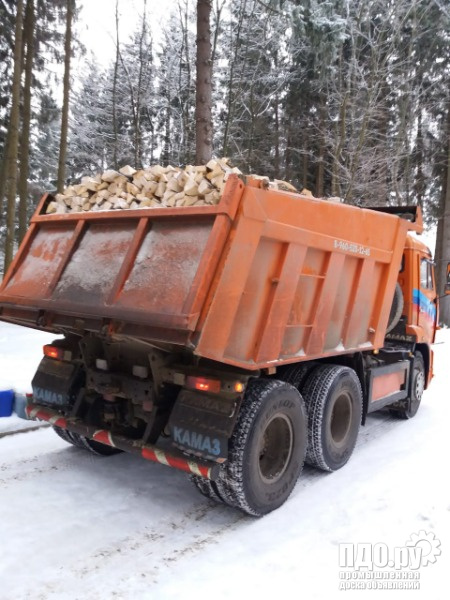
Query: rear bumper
x: 202, y: 468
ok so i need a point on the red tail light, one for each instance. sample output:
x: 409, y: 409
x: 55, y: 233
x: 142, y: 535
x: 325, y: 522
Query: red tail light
x: 203, y: 384
x: 54, y: 352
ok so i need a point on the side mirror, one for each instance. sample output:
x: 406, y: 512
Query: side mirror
x: 447, y: 281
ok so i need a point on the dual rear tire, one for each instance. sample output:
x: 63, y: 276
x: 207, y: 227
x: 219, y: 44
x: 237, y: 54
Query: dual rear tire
x: 266, y: 451
x: 80, y: 441
x: 333, y: 398
x: 275, y: 433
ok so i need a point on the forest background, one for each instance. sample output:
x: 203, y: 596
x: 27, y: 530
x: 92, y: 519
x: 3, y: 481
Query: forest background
x: 347, y: 98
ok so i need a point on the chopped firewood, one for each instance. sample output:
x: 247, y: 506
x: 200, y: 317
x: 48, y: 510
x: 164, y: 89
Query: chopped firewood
x: 110, y: 176
x: 191, y: 188
x: 169, y: 198
x: 198, y: 178
x: 174, y: 186
x: 116, y: 187
x: 70, y: 191
x: 80, y: 189
x: 179, y: 196
x: 285, y: 186
x: 90, y: 183
x: 132, y: 189
x: 218, y: 182
x: 234, y: 170
x: 211, y: 165
x: 190, y: 200
x: 120, y: 203
x: 181, y: 178
x: 150, y: 187
x: 204, y: 187
x: 157, y: 170
x: 154, y: 186
x: 161, y: 188
x: 140, y: 181
x: 127, y: 171
x: 146, y: 202
x: 213, y: 197
x: 216, y: 173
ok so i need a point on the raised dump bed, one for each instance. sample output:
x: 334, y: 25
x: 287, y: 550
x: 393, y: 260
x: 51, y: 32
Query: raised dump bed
x: 261, y: 278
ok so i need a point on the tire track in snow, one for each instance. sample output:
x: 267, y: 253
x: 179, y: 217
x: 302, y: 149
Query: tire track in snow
x: 62, y: 459
x: 152, y: 552
x: 189, y: 535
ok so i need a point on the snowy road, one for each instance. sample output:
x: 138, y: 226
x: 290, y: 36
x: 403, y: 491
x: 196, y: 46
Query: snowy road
x: 76, y: 526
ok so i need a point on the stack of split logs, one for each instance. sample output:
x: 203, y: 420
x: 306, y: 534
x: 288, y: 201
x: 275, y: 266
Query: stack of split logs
x: 155, y: 186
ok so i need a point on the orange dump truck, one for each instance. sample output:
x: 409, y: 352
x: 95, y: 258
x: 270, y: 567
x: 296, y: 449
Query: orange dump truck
x: 232, y: 341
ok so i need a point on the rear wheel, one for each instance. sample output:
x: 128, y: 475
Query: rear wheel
x: 80, y: 441
x: 267, y: 448
x: 298, y: 374
x: 64, y: 434
x: 417, y: 389
x: 96, y: 447
x: 207, y: 488
x: 333, y: 398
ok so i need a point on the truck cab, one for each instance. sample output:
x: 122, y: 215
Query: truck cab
x: 417, y: 280
x: 420, y: 313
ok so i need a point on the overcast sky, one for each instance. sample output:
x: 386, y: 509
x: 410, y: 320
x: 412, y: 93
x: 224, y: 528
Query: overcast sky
x: 96, y: 24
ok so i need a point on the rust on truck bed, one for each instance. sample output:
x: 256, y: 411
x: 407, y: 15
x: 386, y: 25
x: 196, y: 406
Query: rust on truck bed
x: 264, y: 278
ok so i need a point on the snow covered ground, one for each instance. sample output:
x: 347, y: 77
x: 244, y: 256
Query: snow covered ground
x: 76, y: 526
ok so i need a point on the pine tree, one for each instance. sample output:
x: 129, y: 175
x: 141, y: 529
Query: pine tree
x: 70, y: 9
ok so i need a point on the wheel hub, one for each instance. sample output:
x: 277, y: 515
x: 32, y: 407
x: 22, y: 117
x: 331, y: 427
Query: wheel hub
x: 420, y: 385
x: 275, y: 449
x: 341, y: 418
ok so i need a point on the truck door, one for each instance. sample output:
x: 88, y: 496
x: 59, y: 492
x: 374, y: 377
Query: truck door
x: 426, y: 299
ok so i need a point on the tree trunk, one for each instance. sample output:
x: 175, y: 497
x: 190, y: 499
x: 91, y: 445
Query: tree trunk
x: 203, y: 119
x: 442, y: 253
x: 320, y: 177
x: 3, y: 174
x: 11, y: 158
x: 26, y: 118
x: 114, y: 91
x: 66, y: 93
